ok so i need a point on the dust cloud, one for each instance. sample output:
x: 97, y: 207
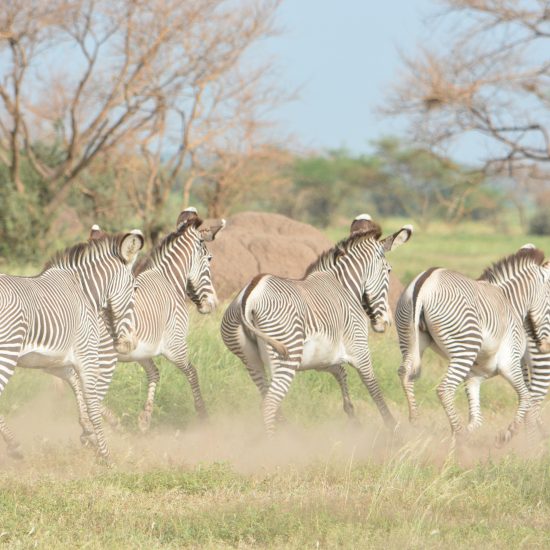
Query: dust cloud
x: 48, y: 430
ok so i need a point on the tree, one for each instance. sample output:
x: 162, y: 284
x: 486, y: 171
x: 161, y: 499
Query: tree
x: 233, y: 180
x: 489, y: 76
x: 423, y: 185
x: 158, y: 79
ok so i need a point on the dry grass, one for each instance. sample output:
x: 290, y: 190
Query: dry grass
x: 320, y: 483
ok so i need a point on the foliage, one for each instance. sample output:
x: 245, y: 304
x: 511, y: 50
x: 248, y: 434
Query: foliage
x: 394, y: 180
x: 423, y: 186
x: 540, y: 222
x: 321, y: 483
x: 482, y: 73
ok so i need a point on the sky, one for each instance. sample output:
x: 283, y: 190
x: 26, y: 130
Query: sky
x: 343, y: 55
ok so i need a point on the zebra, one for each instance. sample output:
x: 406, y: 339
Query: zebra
x: 52, y: 319
x: 177, y: 266
x: 478, y: 325
x: 316, y: 322
x: 536, y: 373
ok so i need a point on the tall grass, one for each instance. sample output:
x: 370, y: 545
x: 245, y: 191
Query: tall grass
x: 320, y: 484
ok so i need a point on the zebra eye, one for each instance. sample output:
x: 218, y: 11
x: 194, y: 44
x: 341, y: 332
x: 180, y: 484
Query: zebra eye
x: 210, y: 258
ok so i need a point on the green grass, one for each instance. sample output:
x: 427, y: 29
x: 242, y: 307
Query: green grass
x: 319, y: 484
x: 467, y: 248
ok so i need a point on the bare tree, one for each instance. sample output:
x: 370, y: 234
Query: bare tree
x: 490, y: 76
x: 233, y: 178
x: 157, y: 79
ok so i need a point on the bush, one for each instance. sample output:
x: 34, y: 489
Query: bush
x: 540, y: 223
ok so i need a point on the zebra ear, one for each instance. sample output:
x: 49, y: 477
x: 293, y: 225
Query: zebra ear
x: 131, y: 244
x: 209, y: 233
x: 546, y: 270
x: 397, y: 239
x: 95, y: 232
x: 187, y: 217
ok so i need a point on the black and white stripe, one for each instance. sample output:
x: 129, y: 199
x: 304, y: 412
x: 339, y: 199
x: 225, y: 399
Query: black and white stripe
x: 53, y: 319
x: 177, y: 266
x: 317, y: 322
x: 479, y: 325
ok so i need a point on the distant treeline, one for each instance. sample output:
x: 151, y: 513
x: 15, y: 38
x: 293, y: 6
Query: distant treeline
x: 393, y: 180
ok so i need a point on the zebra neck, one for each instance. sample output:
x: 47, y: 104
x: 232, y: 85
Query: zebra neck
x: 93, y: 286
x: 520, y: 301
x: 350, y: 274
x: 174, y: 266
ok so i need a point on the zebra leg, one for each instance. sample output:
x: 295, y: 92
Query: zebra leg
x: 364, y: 365
x: 410, y: 368
x: 191, y: 374
x: 514, y: 374
x: 87, y: 437
x: 539, y: 384
x: 283, y: 374
x: 8, y: 360
x: 88, y: 372
x: 473, y: 385
x: 144, y: 419
x: 339, y: 372
x: 14, y: 447
x: 406, y: 373
x: 458, y: 370
x: 107, y: 362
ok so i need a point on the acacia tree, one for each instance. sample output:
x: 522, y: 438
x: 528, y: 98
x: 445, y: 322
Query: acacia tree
x: 489, y: 76
x: 156, y: 78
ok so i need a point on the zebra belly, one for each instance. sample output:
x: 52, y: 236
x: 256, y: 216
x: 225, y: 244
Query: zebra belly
x: 320, y: 351
x: 144, y: 350
x: 45, y: 358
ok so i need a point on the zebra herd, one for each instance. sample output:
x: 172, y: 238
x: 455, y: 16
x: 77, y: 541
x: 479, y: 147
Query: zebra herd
x: 93, y: 305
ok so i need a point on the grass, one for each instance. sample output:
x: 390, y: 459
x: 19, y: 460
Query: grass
x: 319, y: 484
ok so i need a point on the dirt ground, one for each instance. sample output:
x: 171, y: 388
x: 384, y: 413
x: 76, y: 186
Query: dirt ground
x: 49, y: 434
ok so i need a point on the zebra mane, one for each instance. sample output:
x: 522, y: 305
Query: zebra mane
x: 76, y: 255
x: 329, y: 257
x: 158, y: 251
x: 502, y: 269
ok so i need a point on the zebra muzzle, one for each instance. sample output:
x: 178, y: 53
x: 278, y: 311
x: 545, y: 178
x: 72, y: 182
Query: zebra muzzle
x: 125, y: 345
x: 380, y: 325
x: 208, y: 305
x: 544, y: 346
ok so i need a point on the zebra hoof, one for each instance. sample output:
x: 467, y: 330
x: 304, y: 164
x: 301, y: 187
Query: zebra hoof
x: 104, y: 461
x: 144, y: 421
x: 203, y: 415
x: 502, y: 438
x: 88, y: 439
x: 14, y: 451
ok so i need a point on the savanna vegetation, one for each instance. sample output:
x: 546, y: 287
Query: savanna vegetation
x: 320, y: 483
x: 163, y: 107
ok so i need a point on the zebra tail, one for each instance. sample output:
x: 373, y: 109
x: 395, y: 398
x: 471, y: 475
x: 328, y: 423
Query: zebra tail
x: 415, y: 360
x: 279, y: 347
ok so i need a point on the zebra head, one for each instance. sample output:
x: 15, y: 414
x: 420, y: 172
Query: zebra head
x: 119, y: 295
x: 199, y: 282
x: 525, y: 279
x: 199, y: 286
x: 104, y: 267
x: 377, y: 279
x: 538, y: 314
x: 366, y: 271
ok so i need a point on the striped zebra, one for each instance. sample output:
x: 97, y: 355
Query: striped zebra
x: 317, y: 322
x: 536, y: 373
x: 178, y: 266
x: 479, y: 326
x: 52, y: 319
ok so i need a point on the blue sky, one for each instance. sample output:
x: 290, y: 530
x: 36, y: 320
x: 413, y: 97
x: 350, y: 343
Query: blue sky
x: 343, y: 55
